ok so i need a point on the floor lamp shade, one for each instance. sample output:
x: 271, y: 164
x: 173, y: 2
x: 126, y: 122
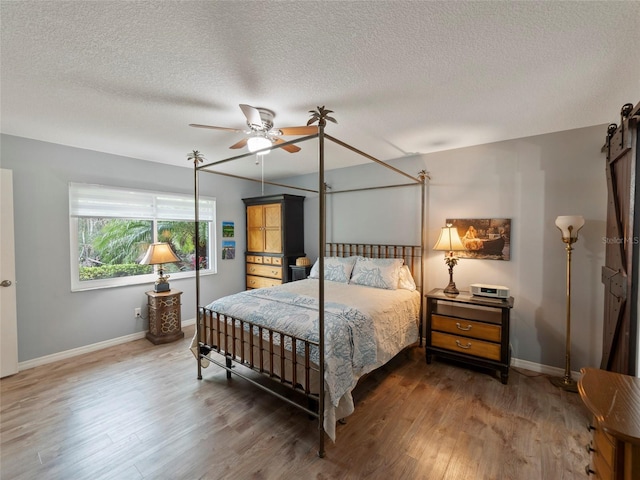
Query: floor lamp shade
x: 159, y: 254
x: 569, y: 225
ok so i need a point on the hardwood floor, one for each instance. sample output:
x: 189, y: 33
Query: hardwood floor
x: 137, y: 411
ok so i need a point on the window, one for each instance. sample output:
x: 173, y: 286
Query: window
x: 112, y: 227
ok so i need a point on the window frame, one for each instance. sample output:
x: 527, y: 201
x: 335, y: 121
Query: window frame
x: 78, y: 286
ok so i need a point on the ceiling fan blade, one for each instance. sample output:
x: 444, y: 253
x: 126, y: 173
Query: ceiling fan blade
x: 196, y: 125
x: 288, y: 148
x: 253, y: 115
x: 240, y: 144
x: 298, y: 130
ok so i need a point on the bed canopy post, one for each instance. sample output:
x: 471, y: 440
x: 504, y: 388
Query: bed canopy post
x: 197, y: 157
x: 321, y: 115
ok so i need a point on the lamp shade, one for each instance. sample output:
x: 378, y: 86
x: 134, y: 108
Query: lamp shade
x: 569, y: 225
x: 258, y: 143
x: 159, y: 253
x: 449, y: 240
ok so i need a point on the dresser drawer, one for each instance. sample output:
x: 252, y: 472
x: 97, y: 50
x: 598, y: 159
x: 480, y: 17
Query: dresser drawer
x: 272, y: 260
x: 264, y: 270
x: 468, y: 346
x: 261, y: 282
x: 468, y: 328
x: 264, y: 259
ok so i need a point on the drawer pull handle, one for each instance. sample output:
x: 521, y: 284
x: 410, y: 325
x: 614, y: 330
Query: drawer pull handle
x: 590, y: 448
x: 460, y: 327
x: 468, y: 345
x: 588, y: 470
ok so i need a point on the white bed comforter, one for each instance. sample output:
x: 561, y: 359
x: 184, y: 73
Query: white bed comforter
x: 364, y: 328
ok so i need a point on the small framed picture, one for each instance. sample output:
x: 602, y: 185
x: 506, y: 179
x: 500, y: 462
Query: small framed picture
x: 227, y: 229
x: 228, y: 249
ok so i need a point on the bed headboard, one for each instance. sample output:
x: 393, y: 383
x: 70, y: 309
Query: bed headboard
x: 412, y: 254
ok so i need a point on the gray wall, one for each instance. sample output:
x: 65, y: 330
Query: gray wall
x: 531, y: 181
x: 51, y: 318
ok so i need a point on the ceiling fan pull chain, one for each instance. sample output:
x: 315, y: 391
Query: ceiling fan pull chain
x: 261, y: 157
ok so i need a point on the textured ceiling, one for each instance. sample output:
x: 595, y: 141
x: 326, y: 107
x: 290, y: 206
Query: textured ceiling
x: 403, y: 77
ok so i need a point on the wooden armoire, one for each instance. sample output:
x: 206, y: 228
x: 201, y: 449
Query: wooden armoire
x: 620, y: 272
x: 275, y: 238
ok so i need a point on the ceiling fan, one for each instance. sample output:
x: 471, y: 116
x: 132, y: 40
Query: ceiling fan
x: 261, y: 132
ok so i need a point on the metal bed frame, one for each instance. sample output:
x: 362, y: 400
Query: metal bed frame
x: 243, y: 342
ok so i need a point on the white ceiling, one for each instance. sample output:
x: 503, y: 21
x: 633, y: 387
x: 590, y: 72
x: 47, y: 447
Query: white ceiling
x: 403, y: 77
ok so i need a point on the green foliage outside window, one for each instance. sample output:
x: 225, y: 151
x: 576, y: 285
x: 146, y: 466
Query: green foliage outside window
x: 113, y: 247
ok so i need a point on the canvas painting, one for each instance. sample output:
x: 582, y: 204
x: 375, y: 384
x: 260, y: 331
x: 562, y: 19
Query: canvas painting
x: 227, y: 229
x: 228, y: 249
x: 484, y: 238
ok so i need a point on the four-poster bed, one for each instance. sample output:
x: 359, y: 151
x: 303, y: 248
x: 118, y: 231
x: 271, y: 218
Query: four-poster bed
x: 361, y: 307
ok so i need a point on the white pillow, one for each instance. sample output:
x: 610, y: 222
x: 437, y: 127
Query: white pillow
x: 336, y: 269
x: 377, y: 272
x: 405, y: 279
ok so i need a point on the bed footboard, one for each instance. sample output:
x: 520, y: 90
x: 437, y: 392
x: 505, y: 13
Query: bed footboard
x: 275, y: 354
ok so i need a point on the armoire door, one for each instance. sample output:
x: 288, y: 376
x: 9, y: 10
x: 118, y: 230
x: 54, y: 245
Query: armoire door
x: 264, y: 228
x: 255, y: 228
x: 273, y: 228
x: 620, y: 272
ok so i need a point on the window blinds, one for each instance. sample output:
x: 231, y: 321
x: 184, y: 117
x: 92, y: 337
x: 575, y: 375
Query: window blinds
x: 100, y: 201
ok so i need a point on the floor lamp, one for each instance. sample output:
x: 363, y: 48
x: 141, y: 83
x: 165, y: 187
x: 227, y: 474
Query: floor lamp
x: 569, y: 225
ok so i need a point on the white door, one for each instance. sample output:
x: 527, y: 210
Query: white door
x: 8, y: 318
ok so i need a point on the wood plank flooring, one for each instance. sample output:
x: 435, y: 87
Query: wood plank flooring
x: 137, y: 411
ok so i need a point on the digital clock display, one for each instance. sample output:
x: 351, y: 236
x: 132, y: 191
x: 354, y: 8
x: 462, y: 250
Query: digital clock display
x: 488, y: 290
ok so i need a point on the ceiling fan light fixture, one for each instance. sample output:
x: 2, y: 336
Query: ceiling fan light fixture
x: 258, y: 143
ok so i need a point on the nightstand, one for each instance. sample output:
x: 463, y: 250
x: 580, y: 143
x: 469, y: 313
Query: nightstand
x: 165, y: 324
x: 614, y: 401
x: 299, y: 272
x: 469, y: 329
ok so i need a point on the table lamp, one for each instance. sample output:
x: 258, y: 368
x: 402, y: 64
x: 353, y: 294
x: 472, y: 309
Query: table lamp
x: 159, y: 254
x: 450, y: 242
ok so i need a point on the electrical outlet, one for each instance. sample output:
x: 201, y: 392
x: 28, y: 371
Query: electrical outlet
x: 137, y: 312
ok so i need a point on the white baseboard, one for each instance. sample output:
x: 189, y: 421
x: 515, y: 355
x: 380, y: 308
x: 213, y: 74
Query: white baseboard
x: 539, y: 368
x: 36, y: 362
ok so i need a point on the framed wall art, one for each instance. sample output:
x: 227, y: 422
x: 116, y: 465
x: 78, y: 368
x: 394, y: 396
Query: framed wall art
x: 484, y: 238
x: 227, y: 229
x: 228, y: 249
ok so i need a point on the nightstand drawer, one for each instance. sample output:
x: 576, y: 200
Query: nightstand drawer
x: 261, y: 282
x: 468, y: 346
x: 604, y: 448
x: 602, y: 469
x: 468, y: 328
x: 264, y: 270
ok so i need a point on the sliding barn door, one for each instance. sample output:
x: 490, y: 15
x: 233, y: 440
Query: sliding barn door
x: 620, y: 273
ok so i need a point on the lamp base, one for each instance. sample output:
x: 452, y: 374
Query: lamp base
x: 568, y: 384
x: 161, y: 287
x: 451, y: 289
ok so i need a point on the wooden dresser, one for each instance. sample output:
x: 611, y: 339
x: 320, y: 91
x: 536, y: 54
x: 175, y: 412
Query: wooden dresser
x: 469, y: 329
x: 275, y: 238
x: 614, y: 401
